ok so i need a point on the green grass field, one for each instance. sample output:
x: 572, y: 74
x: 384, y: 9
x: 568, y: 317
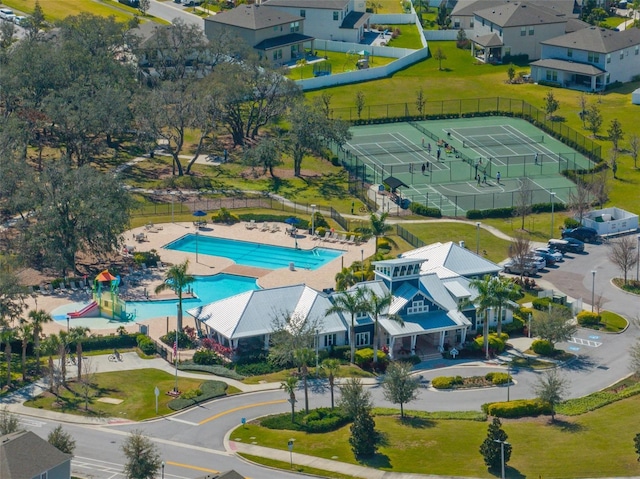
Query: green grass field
x: 340, y: 63
x: 569, y: 448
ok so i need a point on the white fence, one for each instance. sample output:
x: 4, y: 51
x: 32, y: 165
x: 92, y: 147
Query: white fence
x: 394, y: 18
x: 364, y: 75
x: 321, y: 46
x: 440, y: 35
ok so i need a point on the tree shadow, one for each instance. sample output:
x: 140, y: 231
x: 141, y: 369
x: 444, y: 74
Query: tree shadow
x: 417, y: 422
x: 566, y: 426
x: 276, y: 184
x: 377, y: 461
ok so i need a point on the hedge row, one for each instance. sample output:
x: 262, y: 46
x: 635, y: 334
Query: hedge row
x: 270, y: 218
x: 97, y: 343
x: 446, y: 382
x: 498, y: 378
x: 511, y: 211
x: 208, y: 390
x: 212, y: 369
x: 317, y: 421
x: 518, y: 408
x: 423, y: 210
x: 575, y: 407
x: 146, y: 344
x: 587, y: 318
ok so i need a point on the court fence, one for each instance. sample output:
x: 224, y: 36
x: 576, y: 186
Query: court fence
x: 472, y: 107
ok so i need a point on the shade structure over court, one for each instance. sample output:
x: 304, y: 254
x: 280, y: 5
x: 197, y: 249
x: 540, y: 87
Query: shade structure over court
x: 394, y: 183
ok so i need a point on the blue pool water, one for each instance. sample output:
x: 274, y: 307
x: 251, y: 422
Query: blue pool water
x: 207, y: 289
x: 255, y: 254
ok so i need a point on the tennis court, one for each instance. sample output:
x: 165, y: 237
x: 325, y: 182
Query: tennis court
x: 454, y: 164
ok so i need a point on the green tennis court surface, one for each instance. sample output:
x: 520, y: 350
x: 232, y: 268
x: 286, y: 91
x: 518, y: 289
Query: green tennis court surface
x: 454, y: 164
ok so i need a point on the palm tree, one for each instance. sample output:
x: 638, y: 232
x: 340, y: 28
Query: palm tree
x: 345, y: 279
x: 332, y: 366
x: 77, y: 335
x: 64, y: 339
x: 376, y: 305
x: 482, y: 302
x: 379, y: 227
x: 7, y: 335
x: 302, y: 357
x: 38, y: 318
x: 49, y: 347
x: 25, y: 334
x: 289, y: 385
x: 177, y: 279
x: 505, y: 292
x: 351, y: 302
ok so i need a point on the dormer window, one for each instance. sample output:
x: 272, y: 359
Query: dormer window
x: 418, y: 306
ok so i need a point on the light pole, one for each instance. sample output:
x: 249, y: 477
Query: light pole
x: 529, y: 327
x: 196, y: 243
x: 313, y: 220
x: 637, y: 265
x: 317, y: 347
x: 593, y: 288
x: 502, y: 443
x: 162, y: 469
x: 478, y: 237
x: 508, y: 380
x: 553, y: 201
x: 362, y: 258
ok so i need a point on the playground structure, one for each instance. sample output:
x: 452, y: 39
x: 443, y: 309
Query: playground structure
x: 106, y: 302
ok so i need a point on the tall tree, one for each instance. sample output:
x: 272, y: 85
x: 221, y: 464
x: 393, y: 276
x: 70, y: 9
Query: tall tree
x: 38, y: 318
x: 332, y: 366
x: 482, y: 302
x: 379, y: 226
x: 354, y: 399
x: 615, y: 133
x: 290, y: 333
x: 582, y: 103
x: 520, y: 250
x: 505, y: 293
x: 62, y: 440
x: 523, y: 199
x: 357, y: 404
x: 551, y: 105
x: 551, y: 387
x: 50, y: 347
x: 398, y: 386
x: 290, y: 384
x: 578, y: 201
x: 634, y: 148
x: 77, y: 335
x: 375, y: 307
x: 7, y: 335
x: 12, y: 294
x: 594, y: 119
x: 624, y: 254
x: 491, y: 448
x: 178, y: 280
x: 143, y: 459
x: 554, y: 325
x: 25, y: 335
x: 351, y: 303
x: 266, y: 155
x: 302, y: 358
x: 308, y: 132
x: 345, y: 279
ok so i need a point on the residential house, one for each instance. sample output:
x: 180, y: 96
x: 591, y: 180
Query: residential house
x: 275, y: 34
x: 589, y: 59
x: 431, y: 292
x: 513, y: 29
x: 339, y: 20
x: 462, y: 15
x: 25, y: 455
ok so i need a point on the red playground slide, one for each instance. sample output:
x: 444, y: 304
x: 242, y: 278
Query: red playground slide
x: 86, y: 311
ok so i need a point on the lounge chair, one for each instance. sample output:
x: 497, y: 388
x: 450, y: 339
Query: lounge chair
x: 333, y: 238
x: 73, y: 286
x: 352, y: 240
x: 326, y: 236
x: 275, y: 227
x: 44, y: 290
x: 265, y: 227
x: 342, y: 238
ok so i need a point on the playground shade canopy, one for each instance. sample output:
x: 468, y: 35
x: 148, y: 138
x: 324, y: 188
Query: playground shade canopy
x: 105, y: 276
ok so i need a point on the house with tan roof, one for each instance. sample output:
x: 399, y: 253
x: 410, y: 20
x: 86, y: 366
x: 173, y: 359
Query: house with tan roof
x: 513, y: 29
x: 430, y: 290
x: 589, y: 59
x: 339, y: 20
x: 275, y: 34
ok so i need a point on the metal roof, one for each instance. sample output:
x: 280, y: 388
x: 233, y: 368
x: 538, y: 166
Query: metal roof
x: 596, y: 39
x: 254, y: 17
x: 418, y: 324
x: 453, y: 257
x: 456, y: 289
x: 573, y: 67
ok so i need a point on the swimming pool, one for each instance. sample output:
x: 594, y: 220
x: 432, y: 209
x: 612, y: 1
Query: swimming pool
x: 255, y: 254
x: 207, y: 289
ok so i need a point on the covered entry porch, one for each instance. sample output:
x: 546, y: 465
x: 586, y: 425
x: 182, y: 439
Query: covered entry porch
x: 576, y: 76
x: 487, y: 48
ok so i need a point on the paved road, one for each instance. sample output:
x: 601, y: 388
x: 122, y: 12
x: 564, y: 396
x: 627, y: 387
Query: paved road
x: 170, y: 10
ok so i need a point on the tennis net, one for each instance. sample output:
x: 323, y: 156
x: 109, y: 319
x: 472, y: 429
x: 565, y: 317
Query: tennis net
x: 423, y: 130
x: 499, y: 140
x: 386, y: 150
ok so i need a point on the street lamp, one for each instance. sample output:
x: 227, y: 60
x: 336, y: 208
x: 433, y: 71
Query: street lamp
x: 162, y: 469
x: 593, y: 288
x: 478, y: 237
x: 508, y: 380
x: 553, y: 201
x: 637, y: 265
x: 529, y: 327
x: 317, y: 347
x: 362, y: 258
x: 196, y: 243
x: 313, y: 220
x: 502, y: 443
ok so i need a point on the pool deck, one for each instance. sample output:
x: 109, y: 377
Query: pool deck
x: 162, y: 234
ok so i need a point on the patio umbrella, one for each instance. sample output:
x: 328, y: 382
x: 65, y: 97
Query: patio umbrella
x: 292, y: 220
x: 199, y: 213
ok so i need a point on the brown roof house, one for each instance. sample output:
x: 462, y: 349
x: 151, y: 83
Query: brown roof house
x: 25, y: 455
x: 589, y: 59
x: 275, y: 34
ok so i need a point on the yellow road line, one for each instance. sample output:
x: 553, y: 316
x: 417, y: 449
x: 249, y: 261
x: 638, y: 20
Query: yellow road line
x: 204, y: 421
x: 188, y: 466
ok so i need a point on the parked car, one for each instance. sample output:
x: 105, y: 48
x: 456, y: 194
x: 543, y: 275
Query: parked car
x: 538, y: 261
x: 514, y: 267
x: 557, y: 255
x: 548, y: 258
x: 567, y: 245
x: 7, y: 14
x: 19, y: 19
x: 582, y: 233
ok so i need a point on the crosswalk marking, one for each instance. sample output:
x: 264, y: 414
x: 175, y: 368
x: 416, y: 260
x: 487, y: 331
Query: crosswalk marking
x: 585, y: 342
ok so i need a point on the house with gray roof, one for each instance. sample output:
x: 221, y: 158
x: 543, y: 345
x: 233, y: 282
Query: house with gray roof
x: 339, y: 20
x: 275, y: 34
x: 25, y: 455
x: 514, y: 28
x: 430, y: 290
x: 462, y: 14
x: 589, y: 59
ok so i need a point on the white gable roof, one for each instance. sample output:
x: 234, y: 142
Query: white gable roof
x: 454, y: 258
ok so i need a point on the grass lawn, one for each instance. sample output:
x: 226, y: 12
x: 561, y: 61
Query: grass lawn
x: 386, y: 6
x: 312, y: 471
x: 340, y: 63
x: 135, y: 389
x: 57, y: 10
x: 345, y: 371
x: 613, y: 323
x: 612, y: 21
x: 409, y: 37
x: 561, y: 450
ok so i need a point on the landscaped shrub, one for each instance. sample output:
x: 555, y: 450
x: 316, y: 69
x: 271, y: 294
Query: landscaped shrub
x: 146, y: 344
x: 206, y: 356
x: 423, y: 210
x: 364, y: 358
x: 446, y: 382
x: 340, y: 352
x: 496, y: 344
x: 191, y: 394
x: 541, y: 304
x: 110, y: 343
x: 518, y: 408
x: 571, y: 223
x: 224, y: 216
x: 542, y: 347
x: 317, y: 421
x: 216, y: 369
x: 516, y: 326
x: 497, y: 378
x: 256, y: 369
x: 547, y: 207
x: 209, y: 390
x: 150, y: 258
x: 587, y: 318
x: 185, y: 341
